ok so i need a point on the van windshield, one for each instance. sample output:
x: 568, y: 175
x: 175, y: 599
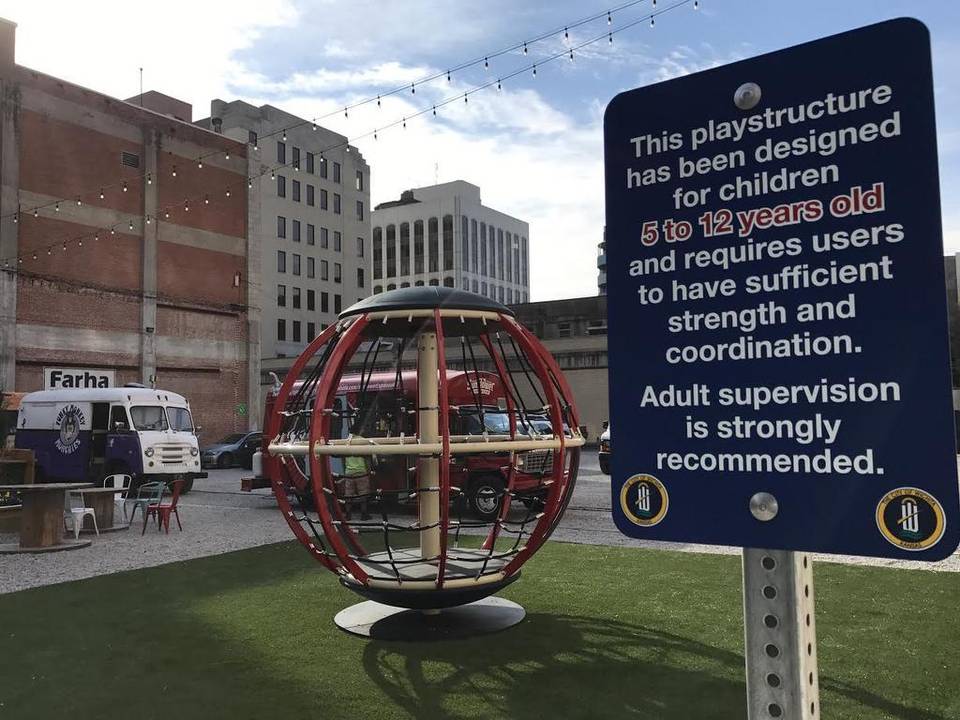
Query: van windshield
x: 180, y: 420
x: 495, y: 421
x: 148, y: 417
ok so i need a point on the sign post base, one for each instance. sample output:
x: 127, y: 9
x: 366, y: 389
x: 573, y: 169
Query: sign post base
x: 780, y: 635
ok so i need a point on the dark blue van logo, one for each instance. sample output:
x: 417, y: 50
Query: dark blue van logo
x: 69, y: 419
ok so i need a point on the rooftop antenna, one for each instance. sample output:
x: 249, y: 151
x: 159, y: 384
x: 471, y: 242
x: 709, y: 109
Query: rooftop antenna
x: 141, y: 87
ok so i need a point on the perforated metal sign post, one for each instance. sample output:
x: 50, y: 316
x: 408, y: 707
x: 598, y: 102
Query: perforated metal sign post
x: 778, y: 346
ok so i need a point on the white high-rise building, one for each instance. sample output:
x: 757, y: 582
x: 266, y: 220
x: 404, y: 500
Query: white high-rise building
x: 314, y: 222
x: 443, y: 235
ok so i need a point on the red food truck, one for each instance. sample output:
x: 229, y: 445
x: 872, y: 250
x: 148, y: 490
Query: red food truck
x: 383, y: 404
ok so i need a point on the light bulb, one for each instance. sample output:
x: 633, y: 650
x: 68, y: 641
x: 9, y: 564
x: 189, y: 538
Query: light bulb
x: 34, y: 256
x: 35, y: 213
x: 464, y: 98
x: 374, y: 134
x: 284, y: 135
x: 16, y: 218
x: 80, y: 242
x: 206, y: 199
x: 534, y: 70
x: 273, y: 175
x: 186, y: 206
x: 130, y: 226
x: 448, y: 76
x: 49, y: 251
x: 56, y: 207
x: 404, y: 122
x: 566, y: 34
x: 524, y: 48
x: 147, y: 221
x: 571, y: 55
x: 610, y: 38
x: 228, y: 192
x: 149, y: 179
x: 101, y: 193
x: 696, y: 4
x: 652, y: 21
x: 499, y: 85
x: 314, y: 126
x: 250, y: 183
x: 486, y: 63
x: 413, y: 89
x: 345, y: 113
x: 434, y: 110
x: 199, y: 164
x: 79, y: 203
x: 166, y: 214
x: 378, y: 97
x: 174, y: 171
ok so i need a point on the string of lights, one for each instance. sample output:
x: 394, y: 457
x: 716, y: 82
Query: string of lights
x: 412, y: 86
x: 165, y: 212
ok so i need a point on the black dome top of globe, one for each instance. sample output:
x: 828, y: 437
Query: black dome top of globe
x: 426, y: 297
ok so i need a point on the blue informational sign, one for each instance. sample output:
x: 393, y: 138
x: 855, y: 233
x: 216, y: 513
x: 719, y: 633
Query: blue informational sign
x: 779, y: 360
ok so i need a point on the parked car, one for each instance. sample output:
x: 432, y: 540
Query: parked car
x: 604, y: 454
x: 233, y: 450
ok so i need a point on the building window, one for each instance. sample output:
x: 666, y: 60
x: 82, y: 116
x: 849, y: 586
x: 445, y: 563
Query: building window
x: 500, y: 293
x: 311, y: 198
x: 296, y: 331
x: 281, y: 153
x: 296, y: 191
x: 564, y: 330
x: 251, y: 137
x: 476, y: 286
x: 359, y: 209
x: 448, y: 242
x: 360, y: 180
x: 281, y: 295
x: 281, y: 261
x: 377, y: 253
x: 433, y: 244
x: 310, y: 163
x: 296, y: 231
x: 336, y: 171
x: 434, y: 281
x: 391, y: 251
x: 311, y: 298
x: 296, y: 158
x: 483, y: 250
x: 336, y: 203
x: 404, y: 248
x: 509, y: 295
x: 377, y: 289
x: 296, y: 298
x: 337, y: 241
x: 418, y: 283
x: 404, y: 285
x: 417, y: 247
x: 500, y: 254
x: 281, y: 186
x: 323, y: 199
x: 474, y: 261
x: 337, y: 273
x: 448, y: 282
x: 281, y: 226
x: 524, y: 278
x: 509, y: 257
x: 324, y: 302
x: 324, y: 270
x: 360, y: 247
x: 311, y: 267
x: 323, y: 166
x: 492, y: 241
x: 464, y: 243
x: 281, y: 330
x: 296, y: 264
x: 337, y: 304
x: 311, y: 331
x: 324, y: 238
x: 359, y: 277
x: 311, y: 234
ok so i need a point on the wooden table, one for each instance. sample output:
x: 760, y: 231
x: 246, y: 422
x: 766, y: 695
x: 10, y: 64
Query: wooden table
x: 102, y: 501
x: 41, y: 519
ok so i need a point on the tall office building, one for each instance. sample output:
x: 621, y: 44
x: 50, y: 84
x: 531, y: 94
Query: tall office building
x: 443, y: 235
x: 314, y: 222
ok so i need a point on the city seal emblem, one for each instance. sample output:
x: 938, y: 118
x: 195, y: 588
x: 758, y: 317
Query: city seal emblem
x: 910, y: 518
x: 644, y: 500
x: 70, y: 419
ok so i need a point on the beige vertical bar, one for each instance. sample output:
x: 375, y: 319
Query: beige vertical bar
x: 428, y: 401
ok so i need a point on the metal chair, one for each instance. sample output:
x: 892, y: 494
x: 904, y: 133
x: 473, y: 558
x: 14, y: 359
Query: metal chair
x: 76, y: 515
x: 119, y: 482
x: 162, y: 510
x: 147, y: 494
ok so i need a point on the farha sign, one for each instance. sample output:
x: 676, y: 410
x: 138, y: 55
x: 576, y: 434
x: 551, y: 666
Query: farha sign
x: 59, y: 378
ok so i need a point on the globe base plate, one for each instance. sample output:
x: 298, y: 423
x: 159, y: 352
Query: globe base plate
x: 385, y: 622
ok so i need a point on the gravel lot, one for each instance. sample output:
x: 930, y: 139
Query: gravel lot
x: 218, y: 518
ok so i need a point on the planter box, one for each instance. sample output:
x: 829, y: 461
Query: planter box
x: 10, y: 519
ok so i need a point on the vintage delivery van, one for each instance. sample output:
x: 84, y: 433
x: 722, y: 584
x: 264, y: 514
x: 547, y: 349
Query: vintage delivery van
x: 87, y: 434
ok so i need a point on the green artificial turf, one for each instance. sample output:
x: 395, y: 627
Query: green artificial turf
x: 610, y: 633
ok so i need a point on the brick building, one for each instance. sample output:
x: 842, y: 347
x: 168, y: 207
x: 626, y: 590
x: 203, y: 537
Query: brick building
x: 165, y: 298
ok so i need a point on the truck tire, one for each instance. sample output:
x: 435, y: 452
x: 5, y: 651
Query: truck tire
x: 485, y: 495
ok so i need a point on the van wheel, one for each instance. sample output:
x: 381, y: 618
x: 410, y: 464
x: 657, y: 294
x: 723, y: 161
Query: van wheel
x: 485, y: 496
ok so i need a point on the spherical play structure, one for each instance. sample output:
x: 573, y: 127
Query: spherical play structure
x: 448, y: 424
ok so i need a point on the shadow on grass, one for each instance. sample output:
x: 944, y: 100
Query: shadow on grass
x: 578, y: 667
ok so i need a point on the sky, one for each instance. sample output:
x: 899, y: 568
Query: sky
x: 535, y: 148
